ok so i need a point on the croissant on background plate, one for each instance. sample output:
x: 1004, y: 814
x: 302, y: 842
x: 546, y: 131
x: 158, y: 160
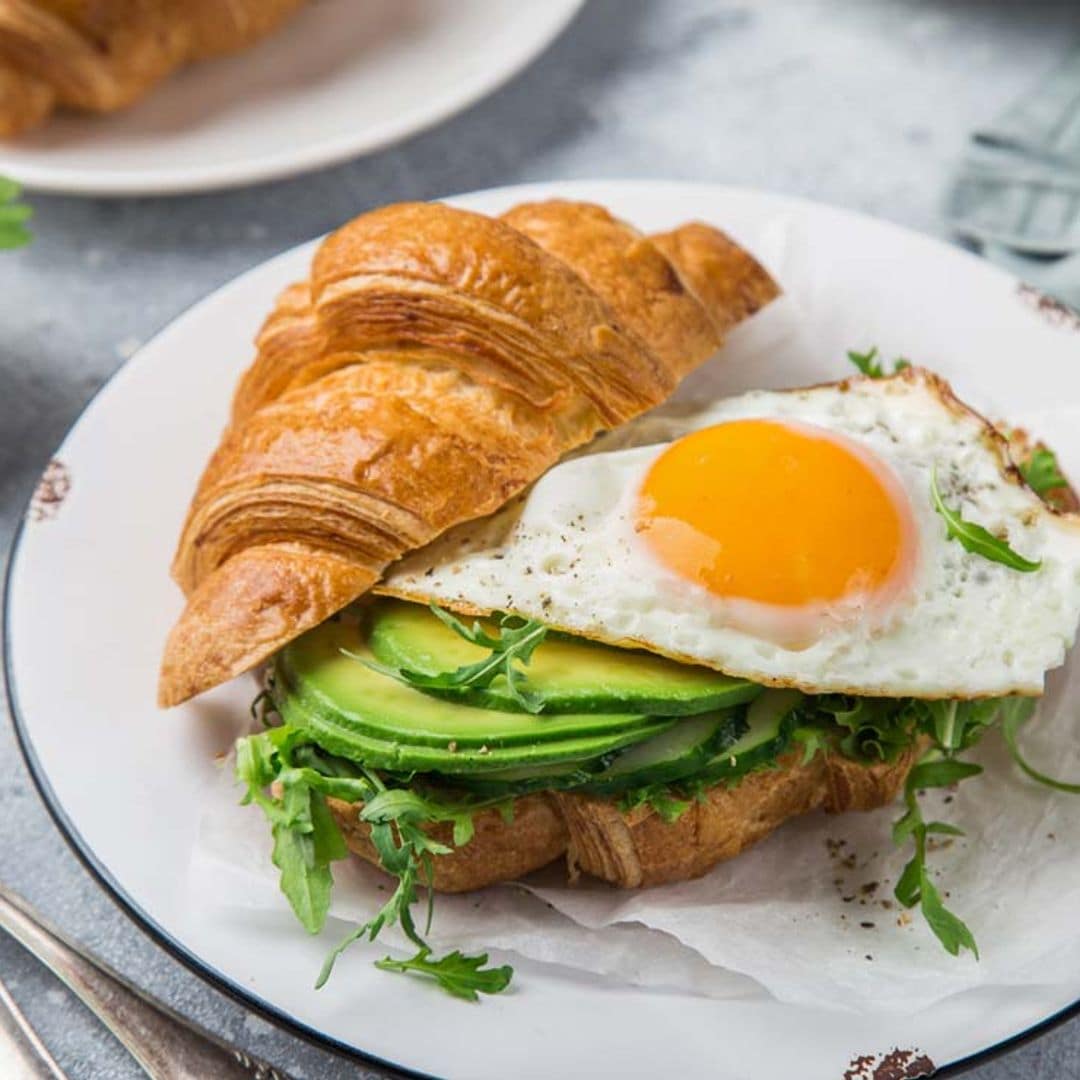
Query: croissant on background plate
x: 102, y: 55
x: 434, y: 364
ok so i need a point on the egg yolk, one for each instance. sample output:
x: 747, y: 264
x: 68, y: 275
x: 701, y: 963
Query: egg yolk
x: 778, y: 513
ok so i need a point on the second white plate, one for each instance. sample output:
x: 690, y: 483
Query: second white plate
x: 340, y: 79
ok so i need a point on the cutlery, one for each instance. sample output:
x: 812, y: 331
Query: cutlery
x: 167, y: 1046
x: 23, y: 1056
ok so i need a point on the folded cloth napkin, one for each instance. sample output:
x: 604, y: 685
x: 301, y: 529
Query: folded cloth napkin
x: 1016, y: 196
x: 1044, y: 122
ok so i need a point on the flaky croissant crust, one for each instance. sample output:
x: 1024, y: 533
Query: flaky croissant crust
x: 435, y: 362
x: 101, y: 55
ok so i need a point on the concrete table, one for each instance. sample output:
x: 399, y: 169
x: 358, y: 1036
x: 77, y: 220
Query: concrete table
x: 863, y: 103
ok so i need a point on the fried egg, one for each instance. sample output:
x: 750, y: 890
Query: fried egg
x: 786, y: 537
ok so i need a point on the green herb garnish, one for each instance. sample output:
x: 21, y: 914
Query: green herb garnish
x: 661, y: 798
x: 13, y: 216
x: 915, y: 885
x: 307, y: 840
x: 1016, y: 712
x: 975, y: 538
x: 869, y: 363
x: 868, y: 729
x: 515, y: 643
x: 460, y: 975
x: 1041, y: 472
x: 954, y: 726
x: 881, y: 729
x: 813, y: 740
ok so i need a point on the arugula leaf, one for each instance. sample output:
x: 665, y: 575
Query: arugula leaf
x: 975, y: 538
x: 255, y: 765
x: 403, y: 807
x: 869, y: 728
x: 914, y: 886
x: 658, y: 797
x: 867, y: 362
x: 813, y: 740
x: 870, y: 365
x: 944, y: 773
x: 13, y: 216
x: 950, y: 930
x: 291, y: 779
x: 954, y: 726
x: 907, y: 888
x: 1041, y: 472
x: 515, y: 643
x: 329, y: 845
x: 304, y: 880
x: 306, y: 838
x: 947, y: 728
x: 1016, y: 712
x: 957, y: 725
x: 387, y: 915
x: 396, y: 817
x: 943, y: 828
x: 457, y: 974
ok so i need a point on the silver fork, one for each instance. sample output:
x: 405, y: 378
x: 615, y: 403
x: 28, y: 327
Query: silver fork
x: 167, y: 1046
x: 23, y: 1056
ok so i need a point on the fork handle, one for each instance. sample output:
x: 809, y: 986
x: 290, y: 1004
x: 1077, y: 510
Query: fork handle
x: 167, y: 1046
x: 23, y: 1056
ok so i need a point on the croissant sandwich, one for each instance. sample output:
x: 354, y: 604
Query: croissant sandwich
x: 102, y: 55
x: 505, y: 619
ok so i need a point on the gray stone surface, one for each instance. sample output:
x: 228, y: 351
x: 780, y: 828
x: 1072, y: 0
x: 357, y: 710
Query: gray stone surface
x: 864, y: 103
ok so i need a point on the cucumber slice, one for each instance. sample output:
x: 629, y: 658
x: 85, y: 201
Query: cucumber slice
x: 522, y: 780
x: 674, y: 754
x: 335, y: 734
x: 317, y: 672
x: 770, y: 721
x: 569, y: 674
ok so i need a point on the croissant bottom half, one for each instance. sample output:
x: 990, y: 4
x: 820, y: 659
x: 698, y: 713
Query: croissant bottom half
x: 638, y: 847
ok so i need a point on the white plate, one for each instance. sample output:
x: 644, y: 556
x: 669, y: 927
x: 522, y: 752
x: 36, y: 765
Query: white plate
x: 89, y: 602
x: 344, y: 77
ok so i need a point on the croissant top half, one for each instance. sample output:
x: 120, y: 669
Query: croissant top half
x: 435, y: 363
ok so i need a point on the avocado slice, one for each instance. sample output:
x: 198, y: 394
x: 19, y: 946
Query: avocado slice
x: 326, y: 670
x: 335, y: 734
x: 322, y: 685
x: 568, y: 674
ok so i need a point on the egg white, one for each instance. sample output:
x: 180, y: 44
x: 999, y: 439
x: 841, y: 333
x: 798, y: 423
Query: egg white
x: 567, y: 553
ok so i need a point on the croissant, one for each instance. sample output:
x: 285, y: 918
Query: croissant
x: 101, y: 55
x: 435, y: 363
